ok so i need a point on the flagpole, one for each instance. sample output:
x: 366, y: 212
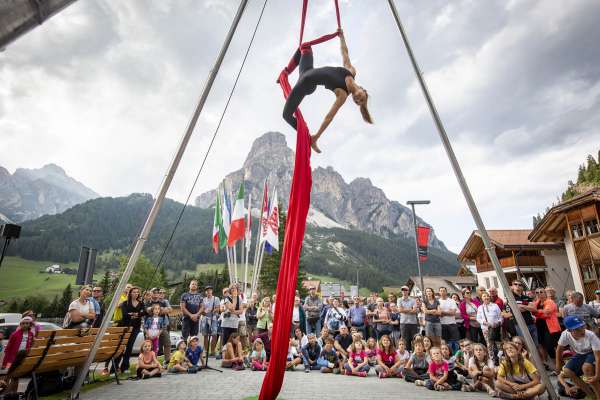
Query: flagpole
x: 228, y: 263
x: 143, y: 237
x: 233, y: 253
x: 257, y: 249
x: 246, y: 247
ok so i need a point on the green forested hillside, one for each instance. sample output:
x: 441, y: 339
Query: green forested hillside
x: 588, y: 177
x: 111, y: 225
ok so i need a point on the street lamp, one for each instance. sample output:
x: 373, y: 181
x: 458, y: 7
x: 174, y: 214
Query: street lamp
x: 414, y: 216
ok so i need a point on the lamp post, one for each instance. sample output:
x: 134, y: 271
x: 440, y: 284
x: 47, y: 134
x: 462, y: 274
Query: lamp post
x: 414, y: 218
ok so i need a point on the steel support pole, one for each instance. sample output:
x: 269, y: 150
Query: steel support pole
x: 474, y: 211
x: 139, y: 244
x: 414, y: 217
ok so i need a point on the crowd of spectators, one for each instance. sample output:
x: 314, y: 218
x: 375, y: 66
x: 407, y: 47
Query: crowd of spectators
x: 465, y: 341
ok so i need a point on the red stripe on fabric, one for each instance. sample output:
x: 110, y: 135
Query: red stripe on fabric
x: 337, y: 13
x: 318, y: 40
x: 290, y: 256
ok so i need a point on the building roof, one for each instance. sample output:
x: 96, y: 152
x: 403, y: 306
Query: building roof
x: 508, y: 239
x: 452, y: 283
x: 553, y: 225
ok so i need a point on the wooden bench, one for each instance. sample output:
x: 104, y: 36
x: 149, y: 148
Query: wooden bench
x: 60, y: 349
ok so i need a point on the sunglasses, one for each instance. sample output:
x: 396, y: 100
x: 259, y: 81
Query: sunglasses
x: 467, y: 292
x: 517, y: 284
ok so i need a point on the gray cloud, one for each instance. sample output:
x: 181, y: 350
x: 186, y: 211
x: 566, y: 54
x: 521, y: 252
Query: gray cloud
x: 105, y: 89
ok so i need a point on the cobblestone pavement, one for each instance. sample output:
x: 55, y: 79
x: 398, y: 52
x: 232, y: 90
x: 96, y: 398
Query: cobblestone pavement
x: 236, y: 385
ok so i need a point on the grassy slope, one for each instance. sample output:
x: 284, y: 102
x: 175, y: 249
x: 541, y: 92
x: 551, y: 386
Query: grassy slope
x: 20, y: 278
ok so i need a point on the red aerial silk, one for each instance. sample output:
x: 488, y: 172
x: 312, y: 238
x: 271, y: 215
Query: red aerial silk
x: 294, y: 235
x: 292, y: 245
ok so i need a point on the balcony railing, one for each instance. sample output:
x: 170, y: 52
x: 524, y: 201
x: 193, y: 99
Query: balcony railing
x: 509, y: 262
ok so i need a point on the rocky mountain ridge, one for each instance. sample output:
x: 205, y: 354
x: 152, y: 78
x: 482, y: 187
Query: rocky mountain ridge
x: 358, y: 205
x: 30, y: 193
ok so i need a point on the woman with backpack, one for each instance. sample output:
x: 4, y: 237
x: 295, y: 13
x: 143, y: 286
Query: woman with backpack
x: 335, y: 318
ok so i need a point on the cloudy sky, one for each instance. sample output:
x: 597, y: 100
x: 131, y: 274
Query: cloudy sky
x: 105, y: 90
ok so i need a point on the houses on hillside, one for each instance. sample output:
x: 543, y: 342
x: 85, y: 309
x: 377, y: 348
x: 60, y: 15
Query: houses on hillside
x: 563, y: 250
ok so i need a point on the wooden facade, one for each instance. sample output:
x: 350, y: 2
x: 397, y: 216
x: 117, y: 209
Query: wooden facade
x: 577, y: 221
x: 518, y: 256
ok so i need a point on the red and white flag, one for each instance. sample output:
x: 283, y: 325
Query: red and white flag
x: 238, y: 219
x: 272, y: 225
x: 249, y: 222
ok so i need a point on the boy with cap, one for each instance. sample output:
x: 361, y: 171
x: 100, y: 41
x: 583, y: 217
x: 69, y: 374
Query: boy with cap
x: 584, y: 367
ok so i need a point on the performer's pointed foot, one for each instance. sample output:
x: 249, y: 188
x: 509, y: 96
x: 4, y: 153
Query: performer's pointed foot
x: 313, y: 143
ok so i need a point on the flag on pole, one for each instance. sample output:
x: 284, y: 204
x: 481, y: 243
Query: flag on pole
x: 422, y: 241
x: 237, y: 229
x: 222, y: 232
x: 264, y: 213
x: 226, y: 207
x: 216, y: 225
x: 272, y: 236
x: 249, y: 222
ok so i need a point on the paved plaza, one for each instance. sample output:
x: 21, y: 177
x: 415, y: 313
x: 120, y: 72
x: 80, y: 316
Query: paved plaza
x: 236, y: 385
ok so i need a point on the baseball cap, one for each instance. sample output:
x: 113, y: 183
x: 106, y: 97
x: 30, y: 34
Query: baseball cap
x: 404, y: 287
x: 572, y: 322
x: 192, y: 338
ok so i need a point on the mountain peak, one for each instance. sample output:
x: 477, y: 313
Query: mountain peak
x: 53, y: 168
x: 356, y: 205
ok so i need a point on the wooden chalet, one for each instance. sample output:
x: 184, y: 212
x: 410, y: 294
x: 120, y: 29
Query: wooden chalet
x: 519, y: 257
x: 576, y: 224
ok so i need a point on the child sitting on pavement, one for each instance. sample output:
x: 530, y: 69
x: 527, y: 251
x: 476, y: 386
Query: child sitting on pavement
x: 417, y: 366
x: 582, y: 368
x: 438, y: 371
x: 328, y: 360
x: 358, y: 363
x: 258, y: 358
x: 294, y: 357
x: 194, y: 353
x: 179, y: 362
x: 148, y: 365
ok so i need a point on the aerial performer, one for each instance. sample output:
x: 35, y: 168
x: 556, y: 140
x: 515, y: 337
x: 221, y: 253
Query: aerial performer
x: 340, y: 80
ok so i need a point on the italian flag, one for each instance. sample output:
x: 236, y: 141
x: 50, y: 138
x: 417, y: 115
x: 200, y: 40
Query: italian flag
x: 216, y: 223
x: 222, y: 231
x: 238, y: 220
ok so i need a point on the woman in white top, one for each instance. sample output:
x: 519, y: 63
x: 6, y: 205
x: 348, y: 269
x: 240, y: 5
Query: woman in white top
x: 81, y: 311
x: 335, y: 317
x: 489, y: 317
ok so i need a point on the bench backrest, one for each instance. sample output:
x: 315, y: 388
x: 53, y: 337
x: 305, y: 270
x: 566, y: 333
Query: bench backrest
x: 62, y: 348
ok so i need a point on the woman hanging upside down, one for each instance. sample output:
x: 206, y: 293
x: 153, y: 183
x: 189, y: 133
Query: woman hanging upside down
x: 340, y: 80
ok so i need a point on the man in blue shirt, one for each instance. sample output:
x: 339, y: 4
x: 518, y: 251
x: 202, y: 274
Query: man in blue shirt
x: 357, y: 316
x: 191, y: 308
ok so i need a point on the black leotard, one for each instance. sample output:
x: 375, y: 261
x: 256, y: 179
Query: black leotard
x: 330, y: 77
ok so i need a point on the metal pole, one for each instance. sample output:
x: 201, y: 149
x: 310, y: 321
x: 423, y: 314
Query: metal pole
x: 139, y: 244
x: 475, y: 212
x: 414, y: 217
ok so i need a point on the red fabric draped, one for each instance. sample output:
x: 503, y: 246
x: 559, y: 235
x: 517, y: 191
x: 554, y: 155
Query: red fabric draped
x: 290, y: 256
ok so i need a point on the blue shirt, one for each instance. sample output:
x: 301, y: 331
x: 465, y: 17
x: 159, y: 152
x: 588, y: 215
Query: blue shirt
x: 96, y: 305
x: 194, y: 355
x: 192, y: 302
x: 357, y: 315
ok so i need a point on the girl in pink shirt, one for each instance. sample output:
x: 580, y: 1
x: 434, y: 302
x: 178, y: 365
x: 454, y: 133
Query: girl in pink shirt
x: 358, y: 363
x: 388, y: 362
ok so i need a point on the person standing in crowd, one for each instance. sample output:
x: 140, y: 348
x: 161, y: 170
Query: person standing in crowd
x: 231, y: 314
x: 490, y: 319
x: 382, y: 319
x: 546, y: 323
x: 34, y: 325
x: 479, y: 292
x: 409, y: 326
x: 335, y: 318
x: 526, y: 308
x: 584, y: 364
x: 211, y: 305
x: 312, y: 309
x: 357, y: 316
x: 460, y: 321
x: 449, y: 308
x: 98, y: 296
x: 191, y: 308
x: 19, y: 343
x: 596, y: 302
x: 264, y: 315
x: 81, y: 311
x: 324, y: 310
x: 164, y: 339
x: 298, y: 316
x: 468, y: 309
x: 133, y: 312
x: 584, y: 312
x: 495, y: 298
x: 432, y: 311
x: 251, y: 311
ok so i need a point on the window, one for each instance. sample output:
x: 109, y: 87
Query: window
x: 577, y: 230
x: 591, y: 226
x: 487, y: 283
x: 495, y: 281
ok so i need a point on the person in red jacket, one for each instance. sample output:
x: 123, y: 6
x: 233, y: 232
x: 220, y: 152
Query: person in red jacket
x: 19, y: 342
